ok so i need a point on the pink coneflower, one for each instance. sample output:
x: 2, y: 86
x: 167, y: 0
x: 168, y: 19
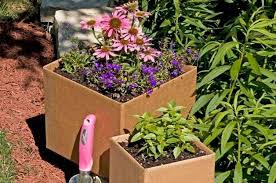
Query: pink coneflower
x: 149, y: 54
x: 141, y: 42
x: 118, y: 45
x: 141, y: 14
x: 131, y: 6
x: 132, y: 33
x: 121, y: 9
x: 114, y: 23
x: 88, y: 24
x: 104, y: 52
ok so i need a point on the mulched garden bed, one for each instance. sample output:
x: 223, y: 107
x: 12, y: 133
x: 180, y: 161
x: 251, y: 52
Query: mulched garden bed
x: 24, y: 49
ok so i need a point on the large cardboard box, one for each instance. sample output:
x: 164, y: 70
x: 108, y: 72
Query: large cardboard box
x: 125, y: 169
x: 67, y: 103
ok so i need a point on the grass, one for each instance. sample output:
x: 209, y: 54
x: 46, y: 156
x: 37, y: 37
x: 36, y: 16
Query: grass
x: 7, y: 170
x: 15, y: 9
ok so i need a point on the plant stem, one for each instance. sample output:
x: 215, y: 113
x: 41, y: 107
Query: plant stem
x: 94, y: 34
x: 239, y: 141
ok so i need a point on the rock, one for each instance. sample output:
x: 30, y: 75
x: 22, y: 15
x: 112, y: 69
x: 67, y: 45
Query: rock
x: 67, y: 27
x: 49, y: 7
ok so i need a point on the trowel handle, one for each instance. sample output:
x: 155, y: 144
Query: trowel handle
x: 86, y: 143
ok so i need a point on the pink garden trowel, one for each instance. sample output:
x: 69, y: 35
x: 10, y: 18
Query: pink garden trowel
x: 85, y: 152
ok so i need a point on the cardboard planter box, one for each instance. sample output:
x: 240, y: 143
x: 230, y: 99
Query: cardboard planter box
x: 196, y: 170
x: 67, y: 103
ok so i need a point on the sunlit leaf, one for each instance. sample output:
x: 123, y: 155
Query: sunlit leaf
x: 238, y: 173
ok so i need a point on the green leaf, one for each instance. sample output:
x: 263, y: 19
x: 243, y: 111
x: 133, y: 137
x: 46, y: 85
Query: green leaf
x: 272, y: 174
x: 245, y: 140
x: 268, y: 144
x: 242, y: 22
x: 213, y: 74
x: 176, y: 152
x: 212, y: 104
x: 226, y: 134
x: 224, y: 48
x: 221, y: 177
x: 265, y: 42
x: 263, y: 130
x: 145, y: 5
x: 253, y: 63
x: 136, y: 137
x: 221, y: 152
x: 238, y: 173
x: 211, y: 137
x: 219, y: 117
x: 153, y: 150
x: 190, y: 137
x: 208, y: 47
x: 235, y: 69
x: 269, y: 74
x: 262, y: 160
x: 177, y: 8
x: 264, y: 23
x: 165, y: 23
x: 216, y: 101
x: 162, y: 109
x: 195, y: 22
x: 266, y: 53
x: 245, y: 91
x: 201, y: 102
x: 150, y: 136
x: 172, y: 140
x: 190, y: 148
x: 267, y: 33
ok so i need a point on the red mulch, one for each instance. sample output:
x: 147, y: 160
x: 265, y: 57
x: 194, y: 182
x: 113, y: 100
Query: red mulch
x: 24, y: 49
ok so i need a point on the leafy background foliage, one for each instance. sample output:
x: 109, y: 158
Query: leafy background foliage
x: 235, y: 112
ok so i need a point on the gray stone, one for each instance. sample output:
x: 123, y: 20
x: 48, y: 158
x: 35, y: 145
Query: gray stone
x: 67, y: 27
x: 49, y: 7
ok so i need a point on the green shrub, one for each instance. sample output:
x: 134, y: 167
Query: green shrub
x: 243, y: 136
x: 235, y: 110
x: 74, y: 60
x: 170, y: 131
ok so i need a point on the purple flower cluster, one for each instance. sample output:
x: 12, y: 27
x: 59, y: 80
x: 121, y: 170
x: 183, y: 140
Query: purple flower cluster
x: 193, y: 54
x: 114, y: 67
x: 150, y: 71
x: 133, y: 86
x: 109, y: 80
x: 176, y: 68
x: 109, y: 74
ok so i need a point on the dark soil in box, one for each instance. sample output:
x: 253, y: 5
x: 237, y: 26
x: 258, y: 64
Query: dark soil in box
x: 168, y: 158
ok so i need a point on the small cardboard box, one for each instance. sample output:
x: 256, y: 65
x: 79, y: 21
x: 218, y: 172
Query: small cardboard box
x: 67, y: 103
x: 125, y: 169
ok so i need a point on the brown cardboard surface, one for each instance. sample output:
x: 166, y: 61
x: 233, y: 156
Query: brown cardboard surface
x: 67, y: 103
x: 196, y: 170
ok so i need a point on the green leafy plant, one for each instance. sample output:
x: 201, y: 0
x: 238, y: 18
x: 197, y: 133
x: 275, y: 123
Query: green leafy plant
x: 235, y: 111
x: 74, y: 60
x: 188, y: 23
x: 243, y: 136
x: 159, y: 135
x: 243, y: 62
